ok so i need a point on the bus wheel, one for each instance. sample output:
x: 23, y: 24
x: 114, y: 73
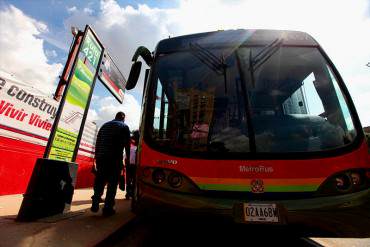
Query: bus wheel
x: 134, y: 201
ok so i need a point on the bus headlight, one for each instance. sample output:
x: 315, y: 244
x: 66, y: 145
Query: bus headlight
x: 342, y: 182
x: 356, y: 179
x: 158, y: 176
x: 174, y: 180
x: 167, y: 179
x: 349, y: 181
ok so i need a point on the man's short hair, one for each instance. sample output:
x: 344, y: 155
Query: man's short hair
x: 120, y: 116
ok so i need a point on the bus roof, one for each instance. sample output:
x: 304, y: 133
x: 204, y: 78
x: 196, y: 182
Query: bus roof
x: 250, y: 37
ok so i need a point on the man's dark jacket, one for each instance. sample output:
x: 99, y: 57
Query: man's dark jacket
x: 112, y: 138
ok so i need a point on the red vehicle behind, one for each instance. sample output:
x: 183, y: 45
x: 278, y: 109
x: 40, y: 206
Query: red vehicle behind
x: 26, y: 117
x: 253, y: 124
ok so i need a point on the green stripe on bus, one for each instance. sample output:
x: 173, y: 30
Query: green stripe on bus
x: 268, y: 188
x: 224, y: 187
x: 290, y: 188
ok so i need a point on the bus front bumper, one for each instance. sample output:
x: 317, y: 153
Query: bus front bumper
x: 354, y: 206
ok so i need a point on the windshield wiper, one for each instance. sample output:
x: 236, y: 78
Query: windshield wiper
x: 254, y: 63
x: 248, y: 113
x: 261, y: 57
x: 265, y: 54
x: 216, y: 64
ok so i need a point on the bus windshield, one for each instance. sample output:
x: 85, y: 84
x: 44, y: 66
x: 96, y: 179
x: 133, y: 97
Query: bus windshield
x: 274, y: 99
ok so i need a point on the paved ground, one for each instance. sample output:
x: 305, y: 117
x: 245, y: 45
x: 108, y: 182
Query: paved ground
x: 78, y: 228
x: 83, y: 228
x: 202, y: 232
x: 195, y: 231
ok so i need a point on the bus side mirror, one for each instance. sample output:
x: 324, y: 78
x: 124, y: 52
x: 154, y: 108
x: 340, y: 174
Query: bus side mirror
x: 134, y: 75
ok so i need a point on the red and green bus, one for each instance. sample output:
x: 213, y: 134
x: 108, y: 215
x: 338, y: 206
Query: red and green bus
x: 252, y: 124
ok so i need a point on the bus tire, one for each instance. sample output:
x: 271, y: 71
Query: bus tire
x: 134, y: 202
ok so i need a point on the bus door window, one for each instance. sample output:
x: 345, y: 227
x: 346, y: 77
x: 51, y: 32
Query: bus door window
x: 160, y: 112
x: 339, y: 128
x: 343, y: 106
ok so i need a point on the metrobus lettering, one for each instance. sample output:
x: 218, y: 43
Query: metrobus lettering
x: 258, y: 169
x: 32, y: 100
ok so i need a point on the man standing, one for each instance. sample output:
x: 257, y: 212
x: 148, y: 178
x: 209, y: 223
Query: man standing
x: 113, y: 137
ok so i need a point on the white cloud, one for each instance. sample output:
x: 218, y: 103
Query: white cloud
x: 123, y: 29
x: 88, y: 11
x: 22, y: 52
x: 71, y: 9
x: 107, y: 107
x: 92, y: 115
x: 51, y: 53
x: 95, y: 98
x: 341, y: 27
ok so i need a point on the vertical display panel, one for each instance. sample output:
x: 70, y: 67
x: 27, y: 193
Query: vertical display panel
x: 76, y: 99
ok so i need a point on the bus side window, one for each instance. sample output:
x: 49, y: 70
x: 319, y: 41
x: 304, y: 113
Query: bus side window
x: 160, y: 113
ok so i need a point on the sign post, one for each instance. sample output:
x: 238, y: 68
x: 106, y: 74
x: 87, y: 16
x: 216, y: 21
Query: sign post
x: 51, y: 186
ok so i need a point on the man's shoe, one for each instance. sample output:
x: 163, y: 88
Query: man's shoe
x: 100, y: 200
x: 94, y: 207
x: 108, y: 212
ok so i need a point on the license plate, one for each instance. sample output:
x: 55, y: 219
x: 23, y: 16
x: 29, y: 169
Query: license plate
x: 256, y: 212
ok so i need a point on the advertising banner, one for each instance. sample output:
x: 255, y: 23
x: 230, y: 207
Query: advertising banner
x: 76, y: 99
x: 25, y: 112
x: 112, y: 78
x: 27, y: 115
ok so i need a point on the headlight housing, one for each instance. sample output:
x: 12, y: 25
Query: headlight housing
x: 168, y: 179
x: 344, y: 182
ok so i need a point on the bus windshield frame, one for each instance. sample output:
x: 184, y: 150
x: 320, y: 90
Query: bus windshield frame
x: 248, y: 61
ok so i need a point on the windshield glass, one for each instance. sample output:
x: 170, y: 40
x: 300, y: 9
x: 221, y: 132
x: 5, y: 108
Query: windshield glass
x: 251, y: 99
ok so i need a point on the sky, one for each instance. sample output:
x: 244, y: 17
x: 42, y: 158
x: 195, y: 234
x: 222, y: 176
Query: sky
x: 35, y: 37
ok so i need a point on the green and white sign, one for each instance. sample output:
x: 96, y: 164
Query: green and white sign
x: 78, y: 93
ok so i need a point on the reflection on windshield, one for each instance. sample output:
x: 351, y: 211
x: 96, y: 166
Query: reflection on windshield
x: 295, y: 104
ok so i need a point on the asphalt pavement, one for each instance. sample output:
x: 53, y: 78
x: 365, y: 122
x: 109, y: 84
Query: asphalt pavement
x: 351, y: 228
x: 191, y: 231
x: 79, y: 227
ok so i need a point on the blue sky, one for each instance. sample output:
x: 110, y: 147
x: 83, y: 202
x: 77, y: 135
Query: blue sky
x: 58, y: 38
x: 344, y: 34
x: 54, y: 12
